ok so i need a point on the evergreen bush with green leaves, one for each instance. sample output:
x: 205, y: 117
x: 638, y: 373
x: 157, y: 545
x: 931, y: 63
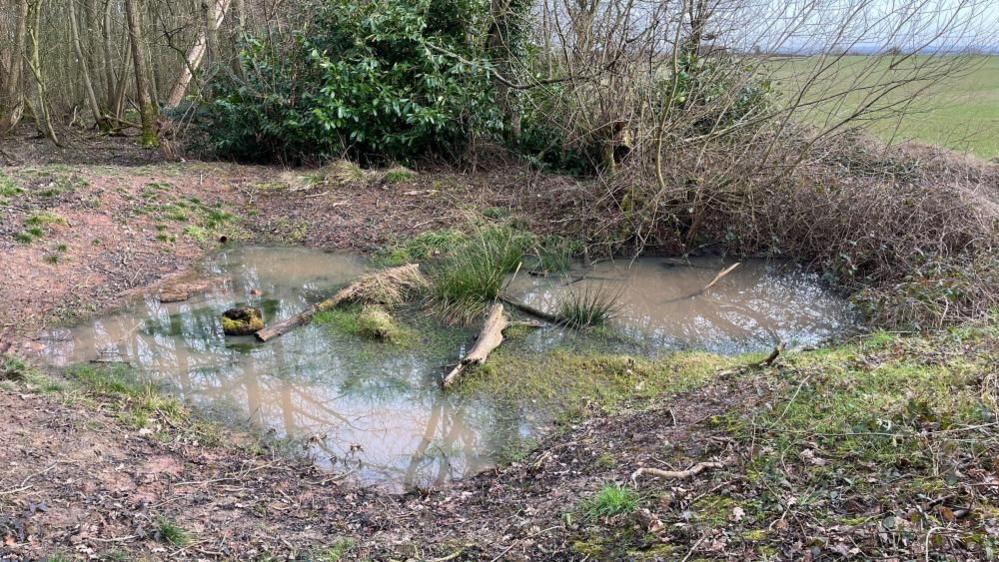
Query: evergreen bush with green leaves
x: 377, y: 81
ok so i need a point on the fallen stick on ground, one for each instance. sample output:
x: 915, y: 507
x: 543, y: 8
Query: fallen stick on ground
x: 676, y: 474
x: 778, y: 349
x: 489, y: 339
x: 382, y: 287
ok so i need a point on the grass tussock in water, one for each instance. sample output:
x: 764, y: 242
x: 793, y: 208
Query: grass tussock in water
x: 467, y: 268
x: 465, y: 280
x: 371, y: 322
x: 588, y: 308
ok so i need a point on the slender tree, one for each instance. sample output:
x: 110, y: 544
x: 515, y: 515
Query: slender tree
x: 197, y: 53
x: 10, y: 114
x: 84, y: 68
x: 147, y: 111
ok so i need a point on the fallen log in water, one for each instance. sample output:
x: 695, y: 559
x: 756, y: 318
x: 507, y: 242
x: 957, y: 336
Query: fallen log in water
x: 531, y: 311
x: 489, y: 339
x: 385, y: 287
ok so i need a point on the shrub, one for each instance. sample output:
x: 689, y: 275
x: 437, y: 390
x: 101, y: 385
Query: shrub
x: 380, y: 80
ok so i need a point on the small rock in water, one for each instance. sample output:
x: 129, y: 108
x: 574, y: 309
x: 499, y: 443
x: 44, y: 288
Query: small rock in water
x: 242, y: 321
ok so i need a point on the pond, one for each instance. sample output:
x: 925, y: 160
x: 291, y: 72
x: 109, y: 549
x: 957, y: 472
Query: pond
x: 376, y: 410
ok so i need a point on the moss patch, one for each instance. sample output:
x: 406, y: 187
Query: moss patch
x: 572, y: 382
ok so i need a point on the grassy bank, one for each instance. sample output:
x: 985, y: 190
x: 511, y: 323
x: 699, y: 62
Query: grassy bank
x: 876, y: 449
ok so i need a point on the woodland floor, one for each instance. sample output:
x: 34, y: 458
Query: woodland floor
x: 915, y: 475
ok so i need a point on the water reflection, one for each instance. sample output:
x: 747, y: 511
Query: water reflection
x: 367, y: 408
x: 660, y: 306
x: 375, y: 410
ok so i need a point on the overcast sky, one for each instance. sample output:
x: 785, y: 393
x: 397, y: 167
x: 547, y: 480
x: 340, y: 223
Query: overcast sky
x: 863, y: 25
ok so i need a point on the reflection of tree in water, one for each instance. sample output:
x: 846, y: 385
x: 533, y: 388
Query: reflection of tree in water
x: 335, y: 389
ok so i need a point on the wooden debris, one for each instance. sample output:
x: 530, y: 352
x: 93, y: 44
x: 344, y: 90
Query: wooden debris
x: 531, y: 311
x: 385, y: 287
x: 773, y: 355
x: 489, y: 339
x: 676, y: 474
x: 721, y: 274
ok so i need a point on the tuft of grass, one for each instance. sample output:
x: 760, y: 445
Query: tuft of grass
x: 554, y: 254
x: 398, y: 174
x: 369, y: 321
x: 333, y: 553
x: 422, y: 247
x: 8, y: 188
x: 44, y: 219
x: 465, y: 281
x: 24, y: 237
x: 587, y: 308
x: 611, y: 500
x: 196, y: 233
x: 13, y: 368
x: 52, y: 259
x: 170, y: 533
x: 374, y: 322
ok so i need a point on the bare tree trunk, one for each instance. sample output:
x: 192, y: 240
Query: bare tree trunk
x: 109, y: 78
x: 196, y: 54
x: 146, y: 109
x: 14, y: 91
x: 88, y: 85
x: 43, y: 117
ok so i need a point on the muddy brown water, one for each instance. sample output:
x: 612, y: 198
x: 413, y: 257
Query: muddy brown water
x: 376, y: 411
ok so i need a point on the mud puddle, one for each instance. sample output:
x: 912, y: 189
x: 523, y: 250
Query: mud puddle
x: 375, y: 410
x: 662, y: 304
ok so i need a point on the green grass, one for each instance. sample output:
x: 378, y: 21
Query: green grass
x: 960, y: 113
x: 568, y: 384
x: 609, y: 501
x: 369, y: 322
x: 587, y: 308
x: 466, y: 280
x: 398, y: 175
x: 12, y: 368
x: 334, y: 553
x: 8, y: 188
x: 422, y: 247
x: 170, y: 533
x: 44, y: 219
